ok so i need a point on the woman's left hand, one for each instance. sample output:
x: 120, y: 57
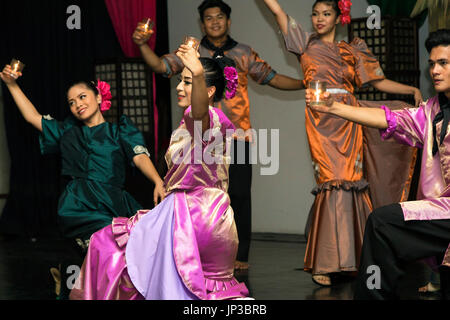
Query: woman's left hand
x: 159, y: 193
x: 417, y: 97
x: 189, y: 56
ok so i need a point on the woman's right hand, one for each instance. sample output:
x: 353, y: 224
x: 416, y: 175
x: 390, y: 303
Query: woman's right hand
x: 309, y: 96
x: 141, y: 38
x: 190, y: 58
x: 7, y: 76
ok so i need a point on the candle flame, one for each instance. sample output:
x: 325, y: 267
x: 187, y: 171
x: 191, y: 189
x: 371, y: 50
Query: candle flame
x: 317, y: 93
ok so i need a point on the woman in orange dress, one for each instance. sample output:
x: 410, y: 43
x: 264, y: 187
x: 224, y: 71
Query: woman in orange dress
x: 339, y: 149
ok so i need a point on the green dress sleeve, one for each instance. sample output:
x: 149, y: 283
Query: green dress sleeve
x: 131, y: 139
x: 52, y: 131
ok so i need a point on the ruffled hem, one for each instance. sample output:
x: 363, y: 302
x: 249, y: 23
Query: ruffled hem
x: 225, y: 289
x: 359, y: 185
x: 121, y: 227
x: 392, y: 124
x: 446, y: 261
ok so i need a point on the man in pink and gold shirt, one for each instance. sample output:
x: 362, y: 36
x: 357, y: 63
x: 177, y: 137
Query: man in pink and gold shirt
x: 409, y: 231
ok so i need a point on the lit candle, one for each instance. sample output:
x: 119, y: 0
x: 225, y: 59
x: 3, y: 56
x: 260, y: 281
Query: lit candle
x: 146, y: 25
x: 317, y: 94
x: 318, y: 87
x: 191, y: 42
x: 16, y: 67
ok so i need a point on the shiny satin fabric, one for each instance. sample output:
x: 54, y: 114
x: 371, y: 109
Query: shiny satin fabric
x: 337, y: 249
x: 186, y: 246
x: 204, y: 220
x: 205, y: 244
x: 248, y: 63
x: 388, y: 166
x: 414, y: 127
x: 103, y: 275
x: 96, y: 159
x: 345, y: 157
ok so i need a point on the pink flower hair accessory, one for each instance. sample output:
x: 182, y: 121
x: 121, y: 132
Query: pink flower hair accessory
x: 231, y: 76
x: 104, y: 89
x: 345, y: 7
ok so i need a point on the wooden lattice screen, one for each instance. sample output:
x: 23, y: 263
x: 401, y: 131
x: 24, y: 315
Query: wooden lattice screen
x: 396, y: 47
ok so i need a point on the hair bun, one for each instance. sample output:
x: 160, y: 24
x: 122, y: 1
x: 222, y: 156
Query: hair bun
x: 225, y: 62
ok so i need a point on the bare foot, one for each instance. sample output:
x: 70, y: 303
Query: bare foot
x: 322, y: 279
x: 429, y: 287
x: 240, y: 265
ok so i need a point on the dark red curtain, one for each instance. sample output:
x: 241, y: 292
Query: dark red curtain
x: 125, y: 14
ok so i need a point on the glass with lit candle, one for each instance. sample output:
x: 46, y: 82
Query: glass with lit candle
x: 146, y: 26
x: 16, y: 67
x: 191, y: 42
x: 319, y: 88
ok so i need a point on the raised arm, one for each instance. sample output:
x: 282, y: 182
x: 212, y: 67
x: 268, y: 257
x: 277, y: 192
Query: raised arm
x: 370, y: 117
x: 154, y: 62
x: 199, y: 95
x: 26, y: 108
x: 390, y: 86
x: 280, y: 15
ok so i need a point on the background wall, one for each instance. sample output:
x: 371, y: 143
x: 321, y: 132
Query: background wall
x: 4, y: 157
x: 281, y: 202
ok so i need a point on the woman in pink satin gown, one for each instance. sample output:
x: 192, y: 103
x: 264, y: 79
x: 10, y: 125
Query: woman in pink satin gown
x: 186, y: 246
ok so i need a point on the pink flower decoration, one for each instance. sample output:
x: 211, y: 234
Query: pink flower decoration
x: 231, y: 75
x: 345, y: 6
x: 105, y: 92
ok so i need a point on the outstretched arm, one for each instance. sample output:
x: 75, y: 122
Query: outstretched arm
x: 370, y: 117
x: 390, y: 86
x: 154, y: 62
x: 26, y: 108
x: 280, y: 15
x: 146, y: 166
x: 283, y: 82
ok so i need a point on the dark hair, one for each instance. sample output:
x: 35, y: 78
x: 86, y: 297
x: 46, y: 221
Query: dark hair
x: 206, y: 4
x: 333, y: 3
x: 214, y: 75
x: 91, y: 85
x: 437, y: 38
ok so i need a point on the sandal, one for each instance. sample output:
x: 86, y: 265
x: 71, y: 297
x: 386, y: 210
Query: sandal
x: 315, y: 279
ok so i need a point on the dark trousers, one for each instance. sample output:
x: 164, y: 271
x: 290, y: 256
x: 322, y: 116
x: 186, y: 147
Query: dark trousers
x: 240, y: 195
x: 389, y: 243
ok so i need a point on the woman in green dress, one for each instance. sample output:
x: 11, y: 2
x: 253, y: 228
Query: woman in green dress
x: 94, y: 154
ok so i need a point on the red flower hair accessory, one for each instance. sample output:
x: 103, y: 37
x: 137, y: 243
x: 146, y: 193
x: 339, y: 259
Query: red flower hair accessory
x: 231, y: 76
x: 104, y: 89
x: 345, y: 6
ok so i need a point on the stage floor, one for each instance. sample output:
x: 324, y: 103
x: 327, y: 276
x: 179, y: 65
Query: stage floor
x: 275, y: 271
